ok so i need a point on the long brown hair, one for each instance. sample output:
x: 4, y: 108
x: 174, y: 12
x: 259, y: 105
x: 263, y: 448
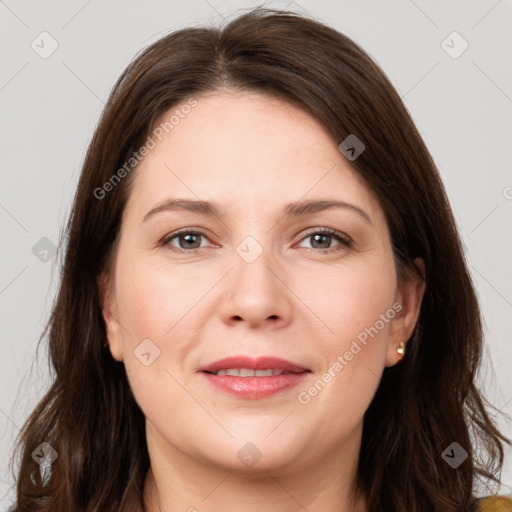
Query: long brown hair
x: 429, y: 400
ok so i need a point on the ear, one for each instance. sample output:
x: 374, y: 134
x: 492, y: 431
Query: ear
x: 109, y: 312
x: 408, y: 300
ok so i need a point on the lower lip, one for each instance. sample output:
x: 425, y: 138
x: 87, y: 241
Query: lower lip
x: 255, y: 387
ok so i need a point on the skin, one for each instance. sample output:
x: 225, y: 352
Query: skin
x: 252, y: 155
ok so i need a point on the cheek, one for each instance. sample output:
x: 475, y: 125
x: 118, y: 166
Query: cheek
x: 151, y: 303
x: 152, y: 300
x: 159, y: 304
x: 357, y: 304
x: 354, y: 307
x: 350, y: 299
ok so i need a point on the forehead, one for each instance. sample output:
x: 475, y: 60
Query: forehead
x: 245, y: 147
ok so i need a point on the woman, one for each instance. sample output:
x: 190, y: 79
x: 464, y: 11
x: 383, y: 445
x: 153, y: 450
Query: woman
x: 264, y: 302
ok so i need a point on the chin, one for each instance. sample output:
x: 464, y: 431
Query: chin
x: 254, y: 454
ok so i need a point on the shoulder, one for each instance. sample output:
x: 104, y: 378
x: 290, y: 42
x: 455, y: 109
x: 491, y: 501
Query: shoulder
x: 495, y: 504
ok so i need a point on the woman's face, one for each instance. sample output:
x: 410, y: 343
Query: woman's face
x: 257, y: 279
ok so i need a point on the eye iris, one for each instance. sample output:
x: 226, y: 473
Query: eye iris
x: 318, y: 237
x: 189, y: 239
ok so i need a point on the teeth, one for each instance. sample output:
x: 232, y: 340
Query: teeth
x: 248, y: 372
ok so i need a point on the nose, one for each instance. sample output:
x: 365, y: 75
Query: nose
x: 256, y: 293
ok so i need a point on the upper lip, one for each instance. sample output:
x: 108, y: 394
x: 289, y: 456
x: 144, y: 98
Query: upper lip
x: 260, y: 363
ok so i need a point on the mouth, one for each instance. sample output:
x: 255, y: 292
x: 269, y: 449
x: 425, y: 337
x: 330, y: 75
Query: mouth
x: 250, y: 372
x: 249, y: 378
x: 245, y: 365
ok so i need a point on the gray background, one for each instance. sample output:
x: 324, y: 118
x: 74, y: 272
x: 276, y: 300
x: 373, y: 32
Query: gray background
x: 50, y: 106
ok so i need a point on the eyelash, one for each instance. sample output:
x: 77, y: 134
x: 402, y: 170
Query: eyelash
x: 344, y: 240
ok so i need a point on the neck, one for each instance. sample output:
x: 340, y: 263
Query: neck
x: 177, y: 482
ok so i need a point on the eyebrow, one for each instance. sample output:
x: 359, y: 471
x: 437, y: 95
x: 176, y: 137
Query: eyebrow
x: 297, y: 209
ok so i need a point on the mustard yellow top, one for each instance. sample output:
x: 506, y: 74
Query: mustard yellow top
x: 495, y: 504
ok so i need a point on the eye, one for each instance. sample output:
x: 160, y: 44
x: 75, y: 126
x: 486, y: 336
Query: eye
x: 322, y: 239
x: 188, y: 241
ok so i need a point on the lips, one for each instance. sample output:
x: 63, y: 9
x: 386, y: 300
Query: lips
x: 252, y: 365
x: 247, y: 378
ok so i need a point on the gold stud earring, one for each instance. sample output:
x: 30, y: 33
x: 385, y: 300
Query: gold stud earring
x: 401, y: 349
